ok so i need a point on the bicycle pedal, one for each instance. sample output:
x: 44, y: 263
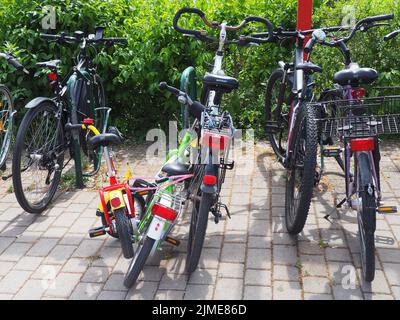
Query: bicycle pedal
x: 387, y: 209
x: 96, y: 232
x: 172, y: 241
x: 98, y: 213
x: 331, y: 151
x: 229, y: 165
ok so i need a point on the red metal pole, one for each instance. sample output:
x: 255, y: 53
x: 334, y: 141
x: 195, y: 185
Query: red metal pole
x: 304, y: 16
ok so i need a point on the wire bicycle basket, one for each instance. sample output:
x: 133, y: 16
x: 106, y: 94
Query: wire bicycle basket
x: 364, y: 117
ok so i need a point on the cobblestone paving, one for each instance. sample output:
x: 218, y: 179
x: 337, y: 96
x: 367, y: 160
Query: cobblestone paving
x: 250, y: 256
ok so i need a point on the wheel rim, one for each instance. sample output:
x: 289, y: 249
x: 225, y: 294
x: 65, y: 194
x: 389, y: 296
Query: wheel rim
x: 195, y: 189
x: 5, y: 124
x: 280, y: 115
x: 295, y: 176
x: 40, y: 158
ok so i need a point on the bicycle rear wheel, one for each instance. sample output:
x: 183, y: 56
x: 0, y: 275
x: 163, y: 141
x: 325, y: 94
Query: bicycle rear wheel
x: 300, y: 176
x: 6, y: 124
x: 201, y: 206
x: 278, y: 98
x: 366, y: 215
x: 38, y: 158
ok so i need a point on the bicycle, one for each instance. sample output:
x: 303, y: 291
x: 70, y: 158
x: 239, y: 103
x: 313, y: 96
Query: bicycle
x: 291, y: 123
x: 41, y: 142
x: 7, y: 111
x: 216, y: 127
x: 117, y: 208
x: 348, y: 116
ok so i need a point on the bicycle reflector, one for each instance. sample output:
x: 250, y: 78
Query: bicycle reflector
x: 115, y: 202
x: 365, y: 144
x: 164, y: 212
x: 210, y: 180
x: 358, y: 93
x: 215, y: 141
x: 52, y: 76
x: 88, y: 121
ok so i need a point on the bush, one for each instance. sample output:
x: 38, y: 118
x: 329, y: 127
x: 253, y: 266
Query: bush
x: 155, y: 52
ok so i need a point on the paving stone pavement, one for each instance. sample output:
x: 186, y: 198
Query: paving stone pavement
x: 251, y: 256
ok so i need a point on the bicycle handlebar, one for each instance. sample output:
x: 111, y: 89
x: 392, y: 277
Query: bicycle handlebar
x: 202, y: 34
x: 362, y: 25
x: 14, y: 62
x: 196, y: 108
x: 62, y: 38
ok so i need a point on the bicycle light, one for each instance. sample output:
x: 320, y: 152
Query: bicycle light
x: 52, y: 76
x: 366, y: 144
x: 210, y: 180
x: 358, y: 93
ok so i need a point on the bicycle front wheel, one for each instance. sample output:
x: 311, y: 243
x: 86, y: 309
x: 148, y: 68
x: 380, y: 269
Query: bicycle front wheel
x: 6, y: 124
x: 38, y: 158
x: 301, y: 174
x: 366, y: 215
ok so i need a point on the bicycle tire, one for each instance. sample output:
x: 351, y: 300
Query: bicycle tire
x: 124, y: 230
x: 198, y: 224
x: 6, y: 143
x: 41, y: 205
x: 138, y: 262
x: 366, y: 217
x: 306, y: 125
x: 273, y: 80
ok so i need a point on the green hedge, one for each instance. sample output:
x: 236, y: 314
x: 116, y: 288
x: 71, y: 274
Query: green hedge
x: 156, y: 52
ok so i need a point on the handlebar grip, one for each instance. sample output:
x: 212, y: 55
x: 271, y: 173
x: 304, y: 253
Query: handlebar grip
x: 391, y: 35
x: 49, y: 36
x: 69, y: 126
x: 114, y: 39
x: 178, y: 16
x: 165, y: 86
x: 378, y: 18
x: 15, y: 63
x: 309, y: 46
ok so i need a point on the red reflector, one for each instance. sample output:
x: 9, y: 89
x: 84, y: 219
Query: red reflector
x: 88, y: 121
x: 115, y: 202
x: 164, y: 212
x: 358, y: 93
x: 52, y: 76
x: 210, y: 180
x: 367, y: 144
x: 215, y: 141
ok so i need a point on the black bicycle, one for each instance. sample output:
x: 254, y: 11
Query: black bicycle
x: 214, y: 128
x: 7, y: 111
x: 42, y: 138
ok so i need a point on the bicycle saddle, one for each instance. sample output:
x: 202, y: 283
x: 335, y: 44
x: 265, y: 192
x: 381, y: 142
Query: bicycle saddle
x: 309, y: 67
x: 175, y: 168
x: 104, y: 140
x: 355, y: 76
x: 52, y: 64
x: 220, y: 82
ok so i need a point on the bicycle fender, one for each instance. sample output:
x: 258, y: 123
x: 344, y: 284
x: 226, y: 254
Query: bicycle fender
x: 37, y: 101
x: 364, y: 169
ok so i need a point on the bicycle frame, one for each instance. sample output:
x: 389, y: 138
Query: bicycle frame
x: 299, y: 89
